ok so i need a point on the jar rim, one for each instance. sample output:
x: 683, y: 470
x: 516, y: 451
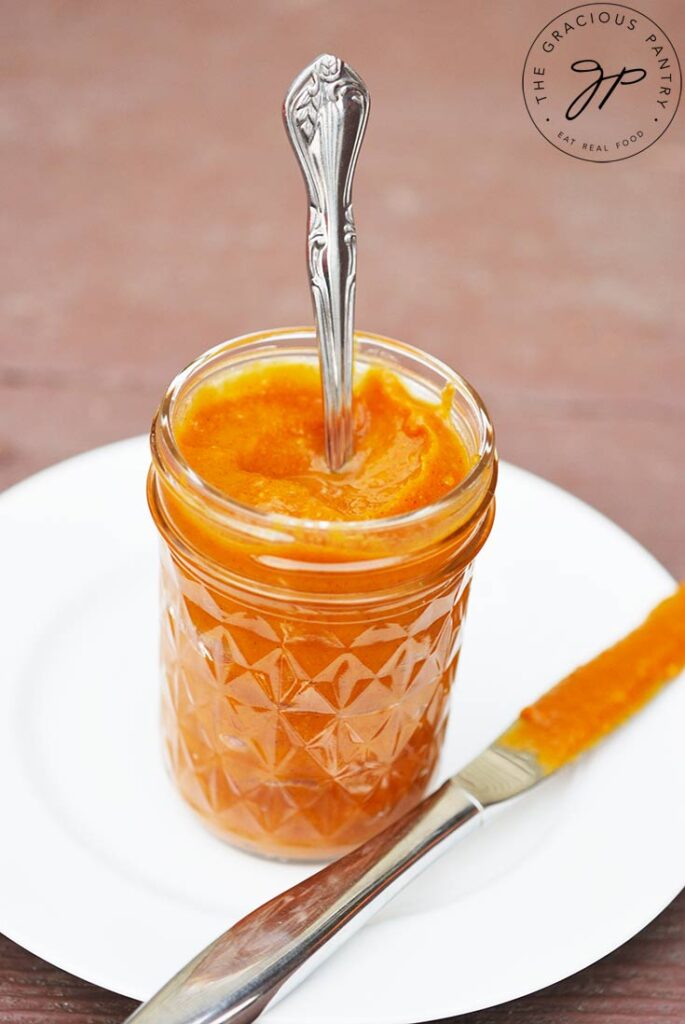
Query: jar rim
x: 169, y: 459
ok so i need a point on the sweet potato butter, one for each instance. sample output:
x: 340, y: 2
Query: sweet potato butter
x: 258, y: 437
x: 311, y: 620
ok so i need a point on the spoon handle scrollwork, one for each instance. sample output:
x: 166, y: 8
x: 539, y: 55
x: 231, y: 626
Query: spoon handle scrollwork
x: 325, y: 114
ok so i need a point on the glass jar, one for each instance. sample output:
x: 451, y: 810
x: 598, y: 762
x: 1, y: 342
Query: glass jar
x: 307, y: 665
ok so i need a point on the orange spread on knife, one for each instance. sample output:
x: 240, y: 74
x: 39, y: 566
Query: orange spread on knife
x: 603, y: 693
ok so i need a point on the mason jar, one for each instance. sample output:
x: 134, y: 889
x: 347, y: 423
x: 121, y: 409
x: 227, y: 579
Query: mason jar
x: 307, y: 665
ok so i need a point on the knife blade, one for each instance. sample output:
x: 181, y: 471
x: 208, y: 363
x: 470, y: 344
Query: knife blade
x: 272, y: 949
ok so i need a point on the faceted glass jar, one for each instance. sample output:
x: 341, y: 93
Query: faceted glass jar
x: 307, y: 665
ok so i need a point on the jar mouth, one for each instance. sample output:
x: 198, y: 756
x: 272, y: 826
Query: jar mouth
x: 271, y: 344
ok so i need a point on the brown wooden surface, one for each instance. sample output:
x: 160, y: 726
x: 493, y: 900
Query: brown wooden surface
x: 152, y: 208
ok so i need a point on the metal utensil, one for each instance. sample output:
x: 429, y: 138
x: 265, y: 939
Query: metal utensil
x: 270, y: 951
x: 325, y: 114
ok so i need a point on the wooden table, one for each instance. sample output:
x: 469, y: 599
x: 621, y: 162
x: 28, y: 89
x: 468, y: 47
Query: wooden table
x: 152, y: 208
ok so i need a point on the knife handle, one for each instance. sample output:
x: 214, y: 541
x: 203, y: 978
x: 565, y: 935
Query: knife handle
x: 269, y: 952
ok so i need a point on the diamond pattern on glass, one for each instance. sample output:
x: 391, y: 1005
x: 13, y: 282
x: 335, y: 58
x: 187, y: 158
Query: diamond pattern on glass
x: 296, y: 734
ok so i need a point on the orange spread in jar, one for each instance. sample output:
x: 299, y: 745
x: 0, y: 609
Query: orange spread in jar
x: 603, y: 693
x: 307, y: 679
x: 257, y: 436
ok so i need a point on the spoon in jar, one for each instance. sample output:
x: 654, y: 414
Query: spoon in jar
x: 325, y: 113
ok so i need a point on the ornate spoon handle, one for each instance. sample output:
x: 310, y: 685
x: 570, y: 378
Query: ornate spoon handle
x: 325, y: 114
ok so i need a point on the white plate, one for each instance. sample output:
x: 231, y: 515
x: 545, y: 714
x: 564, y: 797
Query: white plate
x: 105, y: 874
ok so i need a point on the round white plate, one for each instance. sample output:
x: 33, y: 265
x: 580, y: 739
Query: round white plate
x: 104, y: 872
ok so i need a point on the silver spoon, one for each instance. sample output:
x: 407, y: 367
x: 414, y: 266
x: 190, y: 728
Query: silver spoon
x: 325, y: 114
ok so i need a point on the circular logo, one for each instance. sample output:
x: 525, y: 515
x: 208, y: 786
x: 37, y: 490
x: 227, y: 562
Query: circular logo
x: 602, y: 82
